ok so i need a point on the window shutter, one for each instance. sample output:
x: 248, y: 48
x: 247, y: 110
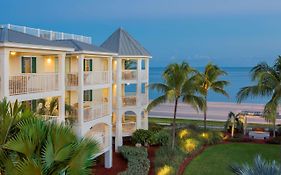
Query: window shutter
x: 91, y: 95
x: 33, y: 65
x: 91, y: 65
x: 22, y: 65
x: 84, y: 65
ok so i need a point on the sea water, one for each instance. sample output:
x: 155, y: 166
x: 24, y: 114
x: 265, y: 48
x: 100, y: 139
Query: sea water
x: 237, y: 76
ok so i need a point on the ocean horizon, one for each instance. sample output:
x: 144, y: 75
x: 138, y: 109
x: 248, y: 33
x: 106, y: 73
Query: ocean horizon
x: 237, y: 76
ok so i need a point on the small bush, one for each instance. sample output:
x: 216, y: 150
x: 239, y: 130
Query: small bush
x: 212, y: 137
x: 138, y: 163
x: 160, y: 138
x: 274, y: 140
x: 141, y: 136
x: 166, y: 156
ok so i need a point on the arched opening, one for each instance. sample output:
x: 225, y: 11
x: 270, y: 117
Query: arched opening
x: 129, y: 119
x: 100, y: 132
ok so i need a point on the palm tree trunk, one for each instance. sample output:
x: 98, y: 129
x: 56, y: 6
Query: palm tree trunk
x: 274, y: 127
x: 174, y: 124
x: 205, y: 115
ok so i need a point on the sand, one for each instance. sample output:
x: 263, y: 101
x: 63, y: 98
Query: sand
x: 217, y: 111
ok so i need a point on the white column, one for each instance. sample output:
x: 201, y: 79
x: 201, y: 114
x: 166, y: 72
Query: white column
x: 108, y: 154
x: 5, y: 72
x: 118, y: 112
x: 139, y: 98
x: 61, y: 60
x: 80, y: 92
x: 110, y: 85
x: 138, y: 119
x: 145, y: 120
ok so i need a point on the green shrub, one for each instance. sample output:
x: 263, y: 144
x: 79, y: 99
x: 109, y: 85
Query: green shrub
x: 141, y: 136
x: 212, y: 137
x: 165, y: 155
x: 155, y: 127
x: 160, y: 138
x: 274, y: 140
x: 138, y: 163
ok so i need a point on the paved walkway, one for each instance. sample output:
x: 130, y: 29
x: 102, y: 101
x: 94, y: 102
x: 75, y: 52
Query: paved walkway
x: 217, y: 111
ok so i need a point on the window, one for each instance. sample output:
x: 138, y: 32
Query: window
x: 88, y: 95
x: 28, y: 64
x: 88, y: 65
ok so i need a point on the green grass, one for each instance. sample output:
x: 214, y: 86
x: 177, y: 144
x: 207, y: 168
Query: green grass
x: 199, y: 122
x: 216, y: 159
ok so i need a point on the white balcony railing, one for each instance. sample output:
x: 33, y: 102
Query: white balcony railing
x: 95, y: 112
x: 102, y: 138
x: 33, y: 83
x: 128, y: 128
x: 90, y: 78
x: 47, y: 34
x: 129, y: 101
x: 96, y: 77
x: 51, y: 118
x: 129, y: 74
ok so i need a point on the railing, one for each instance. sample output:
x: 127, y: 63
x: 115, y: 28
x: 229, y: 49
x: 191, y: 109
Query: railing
x: 96, y: 77
x: 102, y: 139
x: 129, y: 75
x: 71, y: 79
x: 129, y: 101
x: 46, y: 34
x: 50, y: 118
x: 128, y: 128
x: 33, y: 83
x: 95, y: 112
x: 143, y: 75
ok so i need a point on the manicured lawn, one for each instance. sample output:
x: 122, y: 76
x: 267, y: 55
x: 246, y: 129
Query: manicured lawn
x: 216, y: 159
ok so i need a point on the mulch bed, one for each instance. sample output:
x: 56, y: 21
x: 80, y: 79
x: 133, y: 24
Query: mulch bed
x: 151, y: 156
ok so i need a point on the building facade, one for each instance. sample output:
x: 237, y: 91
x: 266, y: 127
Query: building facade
x: 101, y: 91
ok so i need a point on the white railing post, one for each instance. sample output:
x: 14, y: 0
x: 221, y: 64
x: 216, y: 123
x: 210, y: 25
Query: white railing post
x: 5, y: 65
x: 80, y: 91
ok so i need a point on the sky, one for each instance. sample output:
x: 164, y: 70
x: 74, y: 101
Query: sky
x: 225, y: 32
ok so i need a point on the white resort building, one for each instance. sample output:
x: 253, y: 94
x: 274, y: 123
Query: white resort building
x: 100, y: 91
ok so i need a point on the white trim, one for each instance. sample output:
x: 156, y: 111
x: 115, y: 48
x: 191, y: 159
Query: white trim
x: 94, y: 53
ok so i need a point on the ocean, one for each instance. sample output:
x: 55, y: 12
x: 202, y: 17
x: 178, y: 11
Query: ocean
x: 237, y: 76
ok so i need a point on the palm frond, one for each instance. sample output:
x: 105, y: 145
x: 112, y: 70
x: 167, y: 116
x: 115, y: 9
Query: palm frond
x: 156, y: 102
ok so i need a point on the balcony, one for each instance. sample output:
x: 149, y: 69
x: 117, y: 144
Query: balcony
x: 96, y: 77
x: 129, y: 101
x: 144, y: 99
x: 33, y: 83
x: 90, y: 78
x: 128, y: 127
x: 95, y: 112
x: 128, y: 75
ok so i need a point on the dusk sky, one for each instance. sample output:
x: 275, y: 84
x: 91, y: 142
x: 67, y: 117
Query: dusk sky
x: 226, y: 32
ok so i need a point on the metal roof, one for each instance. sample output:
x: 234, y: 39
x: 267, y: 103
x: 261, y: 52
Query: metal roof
x: 124, y: 44
x: 81, y: 46
x: 7, y: 35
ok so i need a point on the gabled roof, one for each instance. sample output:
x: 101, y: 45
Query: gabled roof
x: 80, y: 46
x: 11, y: 36
x: 124, y: 44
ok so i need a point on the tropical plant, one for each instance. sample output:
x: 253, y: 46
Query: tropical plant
x: 10, y: 116
x: 48, y: 107
x: 260, y: 167
x: 233, y: 122
x: 179, y: 84
x: 268, y: 84
x: 209, y: 80
x: 47, y: 148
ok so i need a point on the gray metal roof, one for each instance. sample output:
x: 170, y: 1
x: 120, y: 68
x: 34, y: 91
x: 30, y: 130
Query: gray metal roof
x: 123, y: 43
x: 80, y: 46
x: 7, y: 35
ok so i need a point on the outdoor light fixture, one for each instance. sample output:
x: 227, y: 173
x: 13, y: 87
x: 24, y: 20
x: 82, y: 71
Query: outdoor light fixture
x: 49, y: 60
x: 13, y: 53
x: 128, y: 84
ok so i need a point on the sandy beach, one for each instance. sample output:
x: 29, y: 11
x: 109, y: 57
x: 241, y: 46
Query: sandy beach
x: 217, y: 111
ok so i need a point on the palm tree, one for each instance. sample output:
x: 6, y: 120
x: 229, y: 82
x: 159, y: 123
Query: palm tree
x: 47, y: 148
x: 233, y: 122
x: 209, y: 80
x: 268, y: 84
x: 179, y: 84
x: 260, y: 167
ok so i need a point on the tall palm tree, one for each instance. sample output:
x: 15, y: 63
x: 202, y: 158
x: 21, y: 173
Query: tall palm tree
x: 209, y: 80
x: 268, y: 84
x: 46, y: 148
x: 179, y: 84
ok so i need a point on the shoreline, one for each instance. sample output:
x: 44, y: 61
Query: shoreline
x: 217, y: 111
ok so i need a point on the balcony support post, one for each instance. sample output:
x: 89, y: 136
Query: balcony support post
x: 61, y: 60
x: 139, y: 82
x: 80, y: 93
x: 145, y: 120
x: 5, y: 65
x: 108, y: 154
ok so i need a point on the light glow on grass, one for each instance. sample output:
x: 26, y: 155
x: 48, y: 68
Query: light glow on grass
x: 166, y: 170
